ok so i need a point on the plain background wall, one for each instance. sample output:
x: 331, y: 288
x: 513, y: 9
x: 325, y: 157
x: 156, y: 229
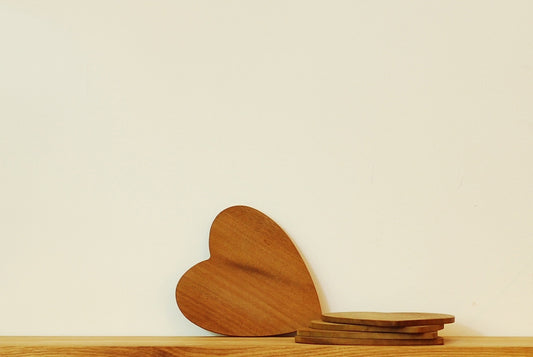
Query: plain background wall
x: 392, y: 140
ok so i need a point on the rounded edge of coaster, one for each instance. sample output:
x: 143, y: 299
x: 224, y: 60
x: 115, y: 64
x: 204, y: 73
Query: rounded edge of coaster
x: 388, y: 319
x: 324, y: 325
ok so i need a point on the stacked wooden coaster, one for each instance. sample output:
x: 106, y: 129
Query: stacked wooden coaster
x: 375, y: 328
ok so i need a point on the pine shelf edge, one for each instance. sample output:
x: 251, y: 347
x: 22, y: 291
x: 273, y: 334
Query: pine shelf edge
x: 111, y: 346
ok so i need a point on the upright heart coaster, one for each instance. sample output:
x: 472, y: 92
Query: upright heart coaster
x: 255, y: 283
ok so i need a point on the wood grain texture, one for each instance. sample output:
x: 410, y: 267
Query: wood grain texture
x: 367, y: 341
x: 312, y: 332
x: 323, y: 325
x: 254, y: 347
x: 255, y: 283
x: 389, y: 319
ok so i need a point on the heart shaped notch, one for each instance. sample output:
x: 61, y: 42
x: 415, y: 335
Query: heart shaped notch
x: 255, y: 283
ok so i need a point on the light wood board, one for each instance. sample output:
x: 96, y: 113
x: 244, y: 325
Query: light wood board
x: 139, y: 346
x: 255, y: 283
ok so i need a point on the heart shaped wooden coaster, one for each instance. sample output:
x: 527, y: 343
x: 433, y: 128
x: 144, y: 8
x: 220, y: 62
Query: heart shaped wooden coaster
x: 255, y: 283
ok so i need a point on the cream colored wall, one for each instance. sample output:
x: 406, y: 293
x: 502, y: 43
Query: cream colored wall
x: 392, y: 140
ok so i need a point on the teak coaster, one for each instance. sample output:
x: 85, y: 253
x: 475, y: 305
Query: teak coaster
x: 323, y: 325
x: 311, y: 332
x: 389, y: 319
x: 366, y: 341
x: 255, y: 283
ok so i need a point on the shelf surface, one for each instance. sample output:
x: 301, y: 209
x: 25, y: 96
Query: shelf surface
x: 42, y: 346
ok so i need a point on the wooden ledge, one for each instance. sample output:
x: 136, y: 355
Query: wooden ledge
x: 238, y: 346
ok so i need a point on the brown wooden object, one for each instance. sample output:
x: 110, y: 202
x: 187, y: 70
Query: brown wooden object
x: 169, y: 346
x: 255, y: 283
x: 311, y: 332
x: 323, y: 325
x: 366, y: 341
x: 390, y: 319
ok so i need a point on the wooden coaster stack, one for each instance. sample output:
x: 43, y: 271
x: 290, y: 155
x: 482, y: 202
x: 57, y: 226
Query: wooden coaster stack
x: 375, y: 328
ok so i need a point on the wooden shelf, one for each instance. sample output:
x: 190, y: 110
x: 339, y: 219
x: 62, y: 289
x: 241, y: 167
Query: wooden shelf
x: 238, y: 346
